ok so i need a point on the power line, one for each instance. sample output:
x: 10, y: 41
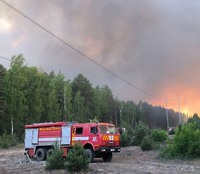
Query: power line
x: 5, y: 58
x: 75, y: 49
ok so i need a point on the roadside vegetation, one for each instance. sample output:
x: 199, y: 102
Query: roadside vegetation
x: 76, y: 160
x: 186, y: 141
x: 7, y: 141
x: 144, y: 137
x: 55, y: 161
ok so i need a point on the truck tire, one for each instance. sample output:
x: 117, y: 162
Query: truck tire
x: 40, y: 154
x: 49, y: 153
x: 107, y: 156
x: 90, y: 155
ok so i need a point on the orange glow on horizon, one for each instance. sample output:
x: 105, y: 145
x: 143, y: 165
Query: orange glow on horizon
x: 182, y: 98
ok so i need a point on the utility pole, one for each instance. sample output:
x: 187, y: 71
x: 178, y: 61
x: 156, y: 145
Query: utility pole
x: 167, y: 116
x: 116, y: 117
x: 121, y: 116
x: 179, y: 114
x: 65, y: 107
x: 12, y: 127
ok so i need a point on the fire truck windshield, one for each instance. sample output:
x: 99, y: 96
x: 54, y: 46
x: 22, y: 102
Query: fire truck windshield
x: 107, y: 129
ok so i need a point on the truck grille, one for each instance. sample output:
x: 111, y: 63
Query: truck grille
x: 111, y: 143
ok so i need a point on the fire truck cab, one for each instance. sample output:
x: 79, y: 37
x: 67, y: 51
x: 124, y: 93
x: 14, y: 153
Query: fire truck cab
x: 100, y: 140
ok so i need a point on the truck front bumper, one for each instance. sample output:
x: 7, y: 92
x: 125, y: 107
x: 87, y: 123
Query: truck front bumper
x: 109, y: 149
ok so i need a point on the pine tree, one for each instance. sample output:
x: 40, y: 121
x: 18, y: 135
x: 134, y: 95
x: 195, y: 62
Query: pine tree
x: 77, y: 159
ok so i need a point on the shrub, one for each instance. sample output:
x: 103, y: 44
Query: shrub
x: 141, y: 130
x: 167, y: 152
x: 13, y: 140
x: 185, y: 144
x: 76, y: 160
x: 5, y: 141
x: 194, y: 150
x: 55, y: 161
x: 124, y: 139
x: 146, y: 143
x: 185, y: 138
x: 127, y: 137
x: 195, y: 119
x: 159, y: 135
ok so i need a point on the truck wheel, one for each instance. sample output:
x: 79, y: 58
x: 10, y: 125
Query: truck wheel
x: 89, y: 155
x: 107, y: 156
x: 49, y: 153
x: 40, y: 154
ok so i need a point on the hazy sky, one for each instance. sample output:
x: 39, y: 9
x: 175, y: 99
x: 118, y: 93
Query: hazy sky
x: 155, y: 45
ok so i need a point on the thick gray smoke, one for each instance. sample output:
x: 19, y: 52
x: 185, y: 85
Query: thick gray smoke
x: 152, y: 44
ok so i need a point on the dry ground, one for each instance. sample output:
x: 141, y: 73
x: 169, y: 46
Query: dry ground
x: 129, y: 160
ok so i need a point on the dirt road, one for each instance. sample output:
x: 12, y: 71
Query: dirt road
x: 131, y: 160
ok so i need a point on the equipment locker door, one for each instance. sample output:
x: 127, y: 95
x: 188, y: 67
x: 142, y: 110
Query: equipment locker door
x: 28, y: 138
x: 66, y: 135
x: 35, y: 136
x: 31, y: 137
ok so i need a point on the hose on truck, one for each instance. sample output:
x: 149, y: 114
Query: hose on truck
x: 28, y: 157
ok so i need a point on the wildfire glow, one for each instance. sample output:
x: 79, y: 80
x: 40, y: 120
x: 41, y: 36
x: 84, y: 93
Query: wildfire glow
x: 183, y: 98
x: 185, y: 111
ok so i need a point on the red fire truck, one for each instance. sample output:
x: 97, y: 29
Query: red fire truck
x: 100, y: 140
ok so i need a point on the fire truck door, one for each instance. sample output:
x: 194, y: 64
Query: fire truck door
x: 66, y: 135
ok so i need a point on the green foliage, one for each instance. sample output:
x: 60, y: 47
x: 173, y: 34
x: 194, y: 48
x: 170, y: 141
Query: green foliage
x: 95, y: 120
x: 196, y: 120
x: 154, y: 140
x: 107, y: 104
x: 67, y: 101
x: 7, y: 140
x: 14, y: 82
x: 13, y: 140
x: 167, y: 152
x: 185, y: 138
x: 194, y: 150
x: 83, y: 96
x: 33, y: 101
x: 128, y: 113
x: 29, y: 95
x: 78, y: 107
x: 76, y: 160
x: 159, y: 135
x: 124, y: 141
x: 140, y: 131
x: 128, y: 139
x: 55, y: 161
x: 185, y: 144
x: 147, y: 143
x: 2, y: 99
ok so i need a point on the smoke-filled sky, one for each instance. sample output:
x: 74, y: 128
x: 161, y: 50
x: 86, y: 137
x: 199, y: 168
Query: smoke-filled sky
x: 154, y: 45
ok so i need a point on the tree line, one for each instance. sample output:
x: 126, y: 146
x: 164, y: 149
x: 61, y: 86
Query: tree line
x: 29, y: 95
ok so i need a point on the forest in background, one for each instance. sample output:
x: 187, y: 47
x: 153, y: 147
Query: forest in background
x: 29, y: 95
